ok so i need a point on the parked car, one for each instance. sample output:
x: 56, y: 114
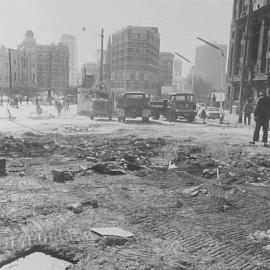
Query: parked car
x: 213, y: 113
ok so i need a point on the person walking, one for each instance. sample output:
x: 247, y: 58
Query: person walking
x: 203, y: 115
x: 261, y: 116
x: 248, y: 109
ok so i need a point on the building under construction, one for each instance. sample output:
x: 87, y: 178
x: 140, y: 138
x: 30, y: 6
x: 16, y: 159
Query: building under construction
x: 249, y: 52
x: 135, y: 60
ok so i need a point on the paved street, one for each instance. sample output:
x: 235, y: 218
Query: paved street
x: 209, y: 211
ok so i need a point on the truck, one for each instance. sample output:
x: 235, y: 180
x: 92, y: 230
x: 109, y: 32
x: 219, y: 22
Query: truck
x: 177, y: 105
x: 133, y: 104
x: 95, y: 103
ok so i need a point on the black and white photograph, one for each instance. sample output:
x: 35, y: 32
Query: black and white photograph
x: 134, y: 135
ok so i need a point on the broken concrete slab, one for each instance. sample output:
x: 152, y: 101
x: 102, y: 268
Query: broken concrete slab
x: 112, y: 231
x: 108, y: 168
x: 75, y: 207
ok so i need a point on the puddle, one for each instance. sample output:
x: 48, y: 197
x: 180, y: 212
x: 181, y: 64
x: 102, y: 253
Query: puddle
x: 37, y: 261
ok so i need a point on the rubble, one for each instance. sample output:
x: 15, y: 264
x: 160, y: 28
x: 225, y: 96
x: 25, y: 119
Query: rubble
x: 108, y: 168
x: 62, y: 176
x: 77, y: 208
x: 3, y: 167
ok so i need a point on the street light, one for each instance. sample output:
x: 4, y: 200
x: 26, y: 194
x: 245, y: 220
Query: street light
x: 101, y: 35
x: 221, y: 71
x: 193, y: 67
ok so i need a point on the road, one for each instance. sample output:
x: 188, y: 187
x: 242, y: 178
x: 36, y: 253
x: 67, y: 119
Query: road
x: 210, y: 210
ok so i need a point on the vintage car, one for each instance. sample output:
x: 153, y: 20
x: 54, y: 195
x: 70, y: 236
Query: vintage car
x: 213, y: 113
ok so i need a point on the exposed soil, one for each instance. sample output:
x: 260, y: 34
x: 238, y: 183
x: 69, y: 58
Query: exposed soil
x: 190, y: 203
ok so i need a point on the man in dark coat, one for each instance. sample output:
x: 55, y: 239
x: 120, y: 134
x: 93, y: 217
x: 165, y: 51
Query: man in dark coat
x: 261, y: 116
x: 248, y: 108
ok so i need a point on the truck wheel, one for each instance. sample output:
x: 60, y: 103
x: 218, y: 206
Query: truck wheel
x: 191, y: 119
x: 145, y: 119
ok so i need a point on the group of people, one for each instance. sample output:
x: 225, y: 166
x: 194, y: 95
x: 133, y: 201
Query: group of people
x: 60, y: 106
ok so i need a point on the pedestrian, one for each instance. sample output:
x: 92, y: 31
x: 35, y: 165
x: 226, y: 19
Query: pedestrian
x: 261, y: 117
x: 203, y: 115
x: 27, y: 100
x: 59, y: 107
x: 248, y: 109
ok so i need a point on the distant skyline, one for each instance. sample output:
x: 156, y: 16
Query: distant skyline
x: 179, y: 22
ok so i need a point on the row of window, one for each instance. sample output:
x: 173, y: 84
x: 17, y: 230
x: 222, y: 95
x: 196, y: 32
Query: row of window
x: 23, y: 77
x: 139, y: 76
x: 134, y: 85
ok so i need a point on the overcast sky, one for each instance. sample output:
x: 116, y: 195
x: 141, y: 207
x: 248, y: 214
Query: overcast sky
x: 179, y: 21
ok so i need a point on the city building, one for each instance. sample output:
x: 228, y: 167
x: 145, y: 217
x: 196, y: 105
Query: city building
x: 53, y: 67
x: 166, y: 68
x: 210, y: 67
x: 71, y: 42
x: 18, y: 67
x: 257, y: 65
x: 89, y: 73
x: 4, y: 69
x: 177, y: 74
x: 135, y: 60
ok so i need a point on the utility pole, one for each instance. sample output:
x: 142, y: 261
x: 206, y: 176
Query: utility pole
x: 101, y: 57
x: 193, y: 70
x: 244, y: 75
x: 50, y: 79
x: 221, y: 75
x: 10, y: 71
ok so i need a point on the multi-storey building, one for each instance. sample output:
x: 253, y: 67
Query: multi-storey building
x: 177, y: 74
x: 256, y: 74
x: 89, y: 74
x: 210, y: 66
x: 135, y: 60
x: 4, y: 68
x: 18, y: 67
x: 72, y: 45
x: 166, y: 68
x: 53, y: 67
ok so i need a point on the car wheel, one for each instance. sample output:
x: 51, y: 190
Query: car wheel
x: 145, y: 119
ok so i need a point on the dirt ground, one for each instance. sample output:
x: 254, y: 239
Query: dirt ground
x: 194, y: 196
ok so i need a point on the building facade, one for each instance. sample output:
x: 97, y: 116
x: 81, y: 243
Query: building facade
x: 71, y: 42
x: 210, y: 66
x: 177, y: 74
x: 89, y: 73
x: 257, y: 65
x: 53, y: 67
x: 166, y: 68
x: 135, y: 60
x: 18, y: 67
x: 4, y: 69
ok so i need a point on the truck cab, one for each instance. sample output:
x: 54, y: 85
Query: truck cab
x: 182, y: 105
x: 133, y: 104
